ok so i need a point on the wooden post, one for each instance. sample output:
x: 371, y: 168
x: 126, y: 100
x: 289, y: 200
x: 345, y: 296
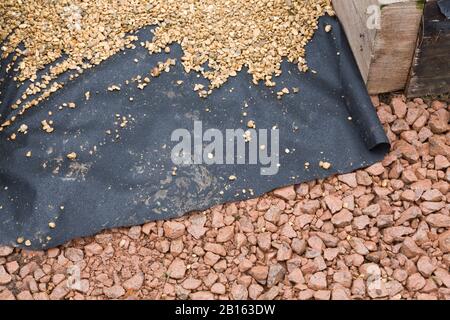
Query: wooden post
x: 430, y: 71
x: 384, y: 54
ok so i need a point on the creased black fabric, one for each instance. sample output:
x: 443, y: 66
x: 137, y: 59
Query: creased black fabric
x: 128, y: 181
x: 444, y: 6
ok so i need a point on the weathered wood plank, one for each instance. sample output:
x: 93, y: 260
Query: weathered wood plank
x: 430, y: 71
x: 383, y: 55
x: 394, y: 47
x: 353, y: 17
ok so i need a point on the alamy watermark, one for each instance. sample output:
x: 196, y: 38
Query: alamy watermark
x: 232, y: 146
x: 74, y: 278
x: 374, y: 280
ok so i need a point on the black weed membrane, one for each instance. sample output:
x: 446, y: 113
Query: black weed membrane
x: 163, y: 151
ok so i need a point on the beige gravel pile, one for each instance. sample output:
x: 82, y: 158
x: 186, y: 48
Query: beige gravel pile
x: 225, y: 36
x: 378, y: 233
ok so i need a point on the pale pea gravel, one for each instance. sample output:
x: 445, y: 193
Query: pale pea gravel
x: 218, y: 38
x: 378, y: 233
